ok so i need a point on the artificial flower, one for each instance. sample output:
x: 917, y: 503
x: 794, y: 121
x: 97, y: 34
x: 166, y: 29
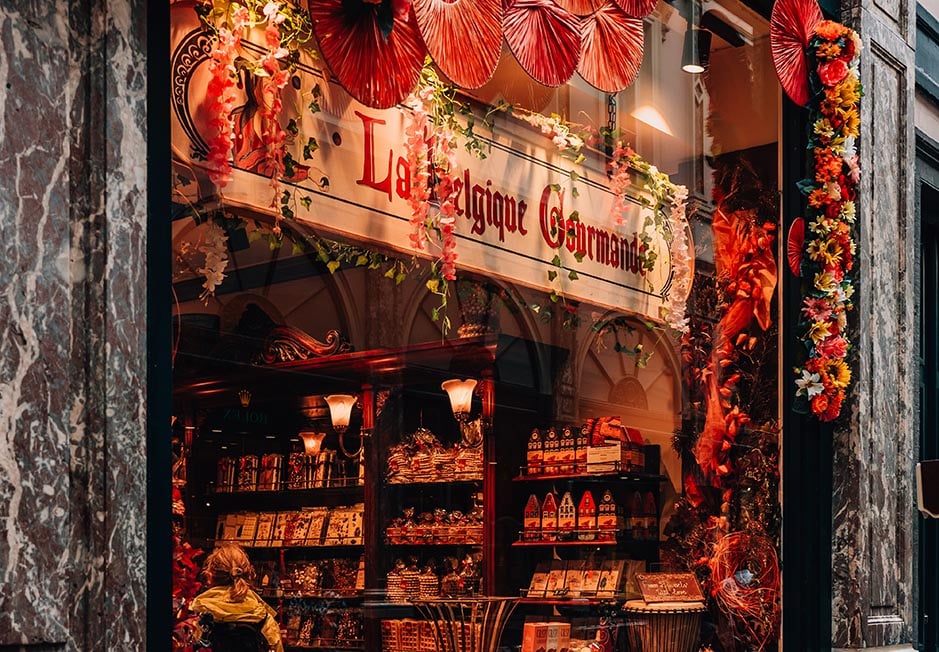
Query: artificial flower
x: 832, y: 72
x: 833, y: 347
x: 819, y: 330
x: 810, y: 384
x: 829, y: 30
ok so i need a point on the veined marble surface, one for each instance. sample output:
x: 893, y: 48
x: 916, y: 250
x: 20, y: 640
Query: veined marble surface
x: 72, y: 324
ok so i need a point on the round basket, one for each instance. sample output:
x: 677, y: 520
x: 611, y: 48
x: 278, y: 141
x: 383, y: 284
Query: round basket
x: 663, y: 626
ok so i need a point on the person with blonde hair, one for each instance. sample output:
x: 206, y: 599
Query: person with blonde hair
x: 235, y: 618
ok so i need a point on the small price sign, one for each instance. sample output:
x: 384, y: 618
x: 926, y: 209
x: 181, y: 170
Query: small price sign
x: 669, y: 587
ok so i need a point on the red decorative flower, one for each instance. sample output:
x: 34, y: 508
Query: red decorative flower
x: 832, y: 72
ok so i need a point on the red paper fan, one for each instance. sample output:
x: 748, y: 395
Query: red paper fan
x: 378, y: 72
x: 581, y: 7
x: 612, y: 49
x: 464, y: 37
x: 544, y: 38
x: 637, y: 8
x: 790, y: 29
x: 795, y: 242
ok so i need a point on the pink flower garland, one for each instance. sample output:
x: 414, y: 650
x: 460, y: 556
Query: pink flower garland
x: 446, y: 169
x: 272, y: 134
x: 674, y: 308
x: 221, y: 96
x: 620, y: 180
x: 426, y: 152
x: 416, y: 128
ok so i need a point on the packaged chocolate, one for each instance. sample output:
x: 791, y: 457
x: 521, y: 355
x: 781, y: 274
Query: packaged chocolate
x: 555, y: 586
x: 270, y: 475
x: 566, y: 451
x: 581, y: 443
x: 567, y: 517
x: 262, y: 537
x: 539, y: 581
x: 247, y: 473
x: 609, y: 518
x: 587, y: 518
x: 226, y: 473
x: 532, y: 519
x: 549, y: 518
x: 552, y: 452
x: 535, y: 455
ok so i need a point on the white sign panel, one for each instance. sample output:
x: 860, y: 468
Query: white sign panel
x: 510, y: 222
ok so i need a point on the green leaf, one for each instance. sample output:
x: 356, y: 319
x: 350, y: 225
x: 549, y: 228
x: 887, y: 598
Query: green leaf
x: 575, y: 216
x: 574, y: 176
x: 310, y: 147
x: 556, y: 187
x: 433, y: 285
x: 292, y: 128
x: 552, y: 275
x: 579, y: 256
x: 305, y: 201
x: 390, y: 273
x: 296, y: 249
x: 556, y: 261
x: 361, y: 260
x: 554, y: 297
x: 332, y: 266
x: 575, y: 193
x: 399, y: 278
x: 572, y: 275
x: 254, y: 236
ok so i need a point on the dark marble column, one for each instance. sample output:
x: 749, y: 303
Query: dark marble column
x: 72, y: 324
x: 873, y: 501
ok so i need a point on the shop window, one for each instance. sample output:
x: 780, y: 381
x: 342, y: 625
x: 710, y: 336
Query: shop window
x: 597, y: 443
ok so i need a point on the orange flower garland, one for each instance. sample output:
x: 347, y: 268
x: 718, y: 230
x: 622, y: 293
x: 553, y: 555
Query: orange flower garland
x: 828, y: 254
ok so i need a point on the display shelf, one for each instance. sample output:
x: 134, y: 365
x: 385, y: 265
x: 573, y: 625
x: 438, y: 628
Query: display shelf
x: 434, y: 483
x: 336, y: 646
x: 599, y: 476
x: 410, y: 544
x: 522, y: 544
x: 572, y: 602
x: 285, y: 498
x: 299, y: 595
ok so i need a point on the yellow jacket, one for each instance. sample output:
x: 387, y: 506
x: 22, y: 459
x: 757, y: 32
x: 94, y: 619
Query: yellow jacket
x: 252, y: 609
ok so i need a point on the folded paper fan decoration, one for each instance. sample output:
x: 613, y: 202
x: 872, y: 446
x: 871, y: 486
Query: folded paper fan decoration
x: 544, y: 38
x: 612, y: 49
x: 464, y: 37
x: 794, y: 245
x: 637, y: 8
x: 581, y: 7
x: 791, y: 27
x: 377, y: 71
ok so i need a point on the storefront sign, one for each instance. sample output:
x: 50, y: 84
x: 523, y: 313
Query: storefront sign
x: 514, y: 207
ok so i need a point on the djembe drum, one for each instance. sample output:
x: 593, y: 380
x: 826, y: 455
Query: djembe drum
x: 663, y: 626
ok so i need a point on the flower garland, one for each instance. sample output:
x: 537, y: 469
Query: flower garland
x: 664, y: 194
x: 285, y: 30
x: 215, y: 249
x: 221, y: 95
x: 828, y: 254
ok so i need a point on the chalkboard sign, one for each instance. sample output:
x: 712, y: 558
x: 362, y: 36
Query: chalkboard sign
x: 669, y: 587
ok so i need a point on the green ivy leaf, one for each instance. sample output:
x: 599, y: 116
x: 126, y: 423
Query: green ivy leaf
x: 556, y: 261
x: 433, y: 285
x: 555, y: 297
x: 292, y: 128
x: 305, y: 201
x: 552, y: 275
x: 310, y: 147
x: 556, y: 187
x: 314, y: 105
x: 399, y: 278
x: 296, y: 249
x: 254, y: 236
x: 579, y: 256
x: 361, y: 260
x: 574, y: 176
x: 575, y: 193
x: 332, y: 266
x: 572, y: 275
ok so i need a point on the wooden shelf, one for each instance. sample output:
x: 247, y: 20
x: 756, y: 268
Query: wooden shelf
x: 434, y: 543
x: 297, y: 595
x: 522, y: 544
x: 587, y: 477
x: 351, y: 646
x: 425, y: 483
x: 286, y: 498
x: 571, y: 602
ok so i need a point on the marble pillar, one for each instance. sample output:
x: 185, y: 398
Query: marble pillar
x: 72, y: 324
x: 873, y: 498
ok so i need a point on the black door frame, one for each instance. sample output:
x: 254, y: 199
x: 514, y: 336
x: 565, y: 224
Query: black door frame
x: 927, y: 209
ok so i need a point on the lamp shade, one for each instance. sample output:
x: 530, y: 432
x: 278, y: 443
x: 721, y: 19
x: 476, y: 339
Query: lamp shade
x: 461, y: 394
x: 312, y: 441
x: 340, y: 409
x: 697, y: 50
